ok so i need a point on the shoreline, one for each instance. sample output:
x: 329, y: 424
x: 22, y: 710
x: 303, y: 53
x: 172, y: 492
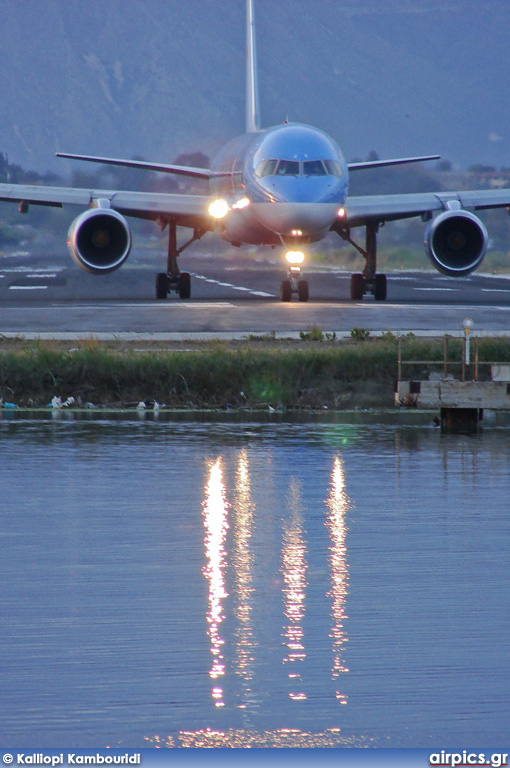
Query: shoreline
x: 315, y: 374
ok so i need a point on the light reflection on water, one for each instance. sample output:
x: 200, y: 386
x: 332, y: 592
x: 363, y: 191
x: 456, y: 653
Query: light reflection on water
x: 252, y: 585
x: 242, y: 564
x: 294, y: 589
x: 338, y: 503
x: 216, y: 526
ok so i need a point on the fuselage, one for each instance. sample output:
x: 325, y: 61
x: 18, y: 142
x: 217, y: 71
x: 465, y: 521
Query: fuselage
x: 284, y: 184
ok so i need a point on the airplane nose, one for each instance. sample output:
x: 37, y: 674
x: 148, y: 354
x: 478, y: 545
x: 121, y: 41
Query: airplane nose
x: 289, y: 219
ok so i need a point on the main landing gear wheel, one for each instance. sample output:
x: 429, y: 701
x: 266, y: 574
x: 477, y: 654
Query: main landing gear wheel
x: 184, y: 285
x: 161, y: 285
x: 369, y: 281
x: 180, y: 284
x: 380, y: 287
x: 357, y: 287
x: 173, y: 279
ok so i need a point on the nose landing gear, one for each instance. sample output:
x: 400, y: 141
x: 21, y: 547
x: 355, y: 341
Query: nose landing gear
x: 294, y: 284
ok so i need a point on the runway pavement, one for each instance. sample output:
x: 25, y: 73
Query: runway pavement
x: 42, y: 296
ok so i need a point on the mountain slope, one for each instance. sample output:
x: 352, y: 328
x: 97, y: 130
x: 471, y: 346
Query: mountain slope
x: 155, y: 78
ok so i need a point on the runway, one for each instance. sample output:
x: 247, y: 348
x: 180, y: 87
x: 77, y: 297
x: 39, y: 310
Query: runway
x: 43, y: 296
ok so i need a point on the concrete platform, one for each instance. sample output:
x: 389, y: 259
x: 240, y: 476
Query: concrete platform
x: 489, y: 395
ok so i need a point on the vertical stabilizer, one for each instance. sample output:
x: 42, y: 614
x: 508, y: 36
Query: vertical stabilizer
x: 252, y: 95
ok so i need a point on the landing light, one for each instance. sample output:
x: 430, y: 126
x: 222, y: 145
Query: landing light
x: 297, y: 232
x: 242, y: 203
x: 218, y: 209
x: 341, y: 213
x: 295, y: 257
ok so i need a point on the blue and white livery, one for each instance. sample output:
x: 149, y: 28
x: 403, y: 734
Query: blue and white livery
x: 286, y: 186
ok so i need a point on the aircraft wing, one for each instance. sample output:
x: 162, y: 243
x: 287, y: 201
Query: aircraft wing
x: 180, y: 170
x: 185, y: 210
x: 360, y: 210
x: 358, y: 166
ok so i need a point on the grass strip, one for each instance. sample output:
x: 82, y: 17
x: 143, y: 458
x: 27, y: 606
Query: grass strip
x: 306, y: 375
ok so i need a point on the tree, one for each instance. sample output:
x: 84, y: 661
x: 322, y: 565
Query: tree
x: 4, y: 167
x: 193, y: 160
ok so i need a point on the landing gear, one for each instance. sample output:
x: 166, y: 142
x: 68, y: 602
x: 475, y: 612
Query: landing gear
x: 369, y: 281
x: 173, y: 279
x: 302, y: 289
x: 286, y: 290
x: 180, y: 283
x: 161, y: 285
x: 380, y: 287
x: 289, y: 286
x: 358, y: 287
x: 184, y: 285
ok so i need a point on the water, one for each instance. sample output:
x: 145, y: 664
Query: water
x: 310, y: 584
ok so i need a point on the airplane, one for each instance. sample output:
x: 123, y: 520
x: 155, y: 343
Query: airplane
x: 285, y: 186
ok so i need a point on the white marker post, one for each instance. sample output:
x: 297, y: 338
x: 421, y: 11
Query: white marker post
x: 467, y: 324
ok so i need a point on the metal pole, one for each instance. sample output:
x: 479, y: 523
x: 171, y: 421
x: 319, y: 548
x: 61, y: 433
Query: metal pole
x: 467, y: 324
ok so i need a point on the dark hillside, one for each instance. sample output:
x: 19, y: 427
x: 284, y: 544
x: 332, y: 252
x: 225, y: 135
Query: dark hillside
x: 157, y: 78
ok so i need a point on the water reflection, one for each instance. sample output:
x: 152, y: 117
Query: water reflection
x: 294, y: 589
x: 216, y: 525
x: 243, y: 573
x: 240, y: 738
x: 207, y: 592
x: 293, y: 568
x: 338, y: 503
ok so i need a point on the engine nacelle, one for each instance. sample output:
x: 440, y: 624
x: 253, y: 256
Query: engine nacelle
x: 456, y: 242
x: 99, y: 240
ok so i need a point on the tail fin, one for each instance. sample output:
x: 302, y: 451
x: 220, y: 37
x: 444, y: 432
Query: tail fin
x: 252, y: 96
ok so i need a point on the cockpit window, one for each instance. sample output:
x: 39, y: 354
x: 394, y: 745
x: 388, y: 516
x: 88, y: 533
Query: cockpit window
x: 296, y: 168
x: 270, y: 167
x: 314, y: 168
x: 288, y: 168
x: 334, y: 168
x: 266, y: 168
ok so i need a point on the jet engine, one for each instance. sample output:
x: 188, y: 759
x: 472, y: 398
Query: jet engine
x: 99, y: 240
x: 456, y: 242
